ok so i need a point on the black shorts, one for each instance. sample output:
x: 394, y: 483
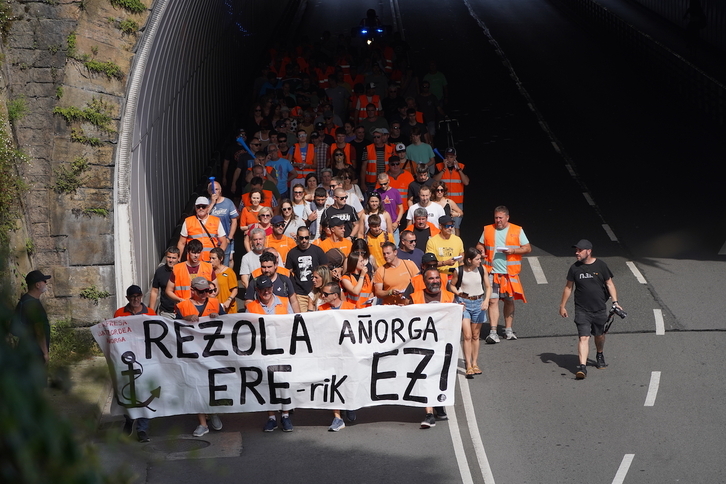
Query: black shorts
x: 590, y: 323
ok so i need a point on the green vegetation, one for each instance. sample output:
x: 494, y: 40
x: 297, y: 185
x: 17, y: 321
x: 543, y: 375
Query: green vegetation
x: 101, y: 212
x: 133, y: 6
x: 78, y: 136
x: 71, y: 42
x: 110, y: 69
x: 16, y: 109
x: 11, y: 185
x: 94, y: 294
x: 6, y: 19
x: 128, y: 27
x: 97, y: 112
x: 69, y: 344
x: 29, y: 246
x: 59, y: 92
x: 68, y: 181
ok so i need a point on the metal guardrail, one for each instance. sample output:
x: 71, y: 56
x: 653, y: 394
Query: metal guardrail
x: 692, y: 84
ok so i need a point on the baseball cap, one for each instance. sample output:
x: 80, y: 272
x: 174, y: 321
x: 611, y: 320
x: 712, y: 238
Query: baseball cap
x: 200, y: 283
x: 380, y: 130
x: 314, y: 135
x: 450, y: 151
x: 336, y: 222
x: 428, y: 258
x: 277, y: 219
x: 445, y: 219
x: 371, y: 85
x: 400, y: 147
x: 35, y: 276
x: 263, y: 282
x: 583, y: 244
x: 319, y: 125
x: 202, y: 201
x: 134, y: 290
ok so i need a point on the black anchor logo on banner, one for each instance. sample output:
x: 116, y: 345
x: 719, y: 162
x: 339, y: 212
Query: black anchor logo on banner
x: 129, y: 358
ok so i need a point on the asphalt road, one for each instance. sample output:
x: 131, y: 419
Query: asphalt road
x: 629, y: 155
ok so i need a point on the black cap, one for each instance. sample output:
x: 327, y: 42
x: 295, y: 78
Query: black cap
x: 445, y: 219
x: 263, y: 282
x: 335, y: 222
x: 134, y: 290
x: 583, y: 244
x: 450, y: 151
x: 319, y: 125
x: 35, y: 276
x: 428, y: 258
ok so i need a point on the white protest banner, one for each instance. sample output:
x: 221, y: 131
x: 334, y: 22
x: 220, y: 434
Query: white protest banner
x: 250, y: 362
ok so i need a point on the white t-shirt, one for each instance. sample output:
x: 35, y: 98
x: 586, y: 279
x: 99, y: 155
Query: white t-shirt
x: 434, y: 209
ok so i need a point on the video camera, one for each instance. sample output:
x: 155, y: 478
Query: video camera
x: 611, y: 317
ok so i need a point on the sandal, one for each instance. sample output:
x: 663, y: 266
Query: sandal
x: 475, y: 369
x: 470, y: 373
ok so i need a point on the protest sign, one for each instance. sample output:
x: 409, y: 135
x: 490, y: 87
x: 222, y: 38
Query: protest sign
x: 250, y: 362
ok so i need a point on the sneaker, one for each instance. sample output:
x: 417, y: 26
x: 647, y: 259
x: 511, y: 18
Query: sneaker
x: 201, y: 430
x: 510, y: 335
x: 350, y: 415
x: 429, y: 421
x: 440, y: 413
x: 270, y: 425
x: 581, y: 372
x: 215, y: 422
x: 286, y: 424
x: 143, y: 436
x: 336, y: 425
x: 492, y: 338
x: 600, y: 365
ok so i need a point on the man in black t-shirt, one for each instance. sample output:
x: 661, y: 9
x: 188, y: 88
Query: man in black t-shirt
x: 158, y: 284
x: 593, y: 283
x: 301, y: 261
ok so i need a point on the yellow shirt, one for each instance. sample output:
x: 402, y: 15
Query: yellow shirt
x: 445, y: 249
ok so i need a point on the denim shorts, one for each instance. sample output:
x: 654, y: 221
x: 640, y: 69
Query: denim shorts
x: 473, y: 310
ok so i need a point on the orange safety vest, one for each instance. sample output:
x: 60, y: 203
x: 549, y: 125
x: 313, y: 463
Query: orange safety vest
x: 331, y: 131
x: 417, y: 297
x: 434, y: 230
x: 366, y: 292
x: 452, y: 178
x: 401, y: 184
x: 196, y: 231
x: 371, y: 162
x: 123, y: 312
x: 309, y: 160
x: 514, y: 261
x: 388, y: 54
x: 246, y: 202
x: 256, y: 307
x: 345, y: 149
x: 345, y: 305
x: 187, y: 308
x: 364, y: 101
x: 358, y: 79
x: 183, y: 280
x: 323, y: 76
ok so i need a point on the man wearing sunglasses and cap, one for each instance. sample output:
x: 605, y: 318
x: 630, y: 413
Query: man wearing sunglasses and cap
x: 30, y: 323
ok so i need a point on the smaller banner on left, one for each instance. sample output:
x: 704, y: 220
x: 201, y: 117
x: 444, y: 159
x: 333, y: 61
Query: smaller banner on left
x: 248, y: 362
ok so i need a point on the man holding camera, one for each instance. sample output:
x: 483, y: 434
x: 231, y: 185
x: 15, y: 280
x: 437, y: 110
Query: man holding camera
x: 593, y: 282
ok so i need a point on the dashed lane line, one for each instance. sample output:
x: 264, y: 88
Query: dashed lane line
x: 610, y: 232
x: 589, y: 199
x: 659, y: 323
x: 652, y: 389
x: 623, y: 469
x: 539, y: 274
x: 636, y: 272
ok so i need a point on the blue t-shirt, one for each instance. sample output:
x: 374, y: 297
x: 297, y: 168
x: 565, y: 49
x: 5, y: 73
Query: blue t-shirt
x: 225, y: 211
x: 282, y: 168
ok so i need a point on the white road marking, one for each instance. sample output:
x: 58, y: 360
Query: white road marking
x: 571, y: 170
x: 555, y: 146
x: 636, y: 272
x: 723, y: 249
x: 459, y: 448
x: 652, y: 389
x: 481, y: 455
x: 623, y: 469
x: 659, y: 323
x: 539, y: 274
x: 610, y: 232
x: 589, y: 199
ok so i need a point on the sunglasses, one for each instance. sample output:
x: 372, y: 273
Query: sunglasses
x: 340, y: 154
x: 326, y: 294
x: 265, y: 215
x: 303, y: 237
x: 410, y: 241
x: 342, y: 198
x: 439, y: 189
x: 449, y: 226
x: 202, y: 206
x: 376, y: 137
x: 279, y: 225
x: 286, y: 209
x: 204, y: 291
x: 297, y: 193
x: 394, y: 163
